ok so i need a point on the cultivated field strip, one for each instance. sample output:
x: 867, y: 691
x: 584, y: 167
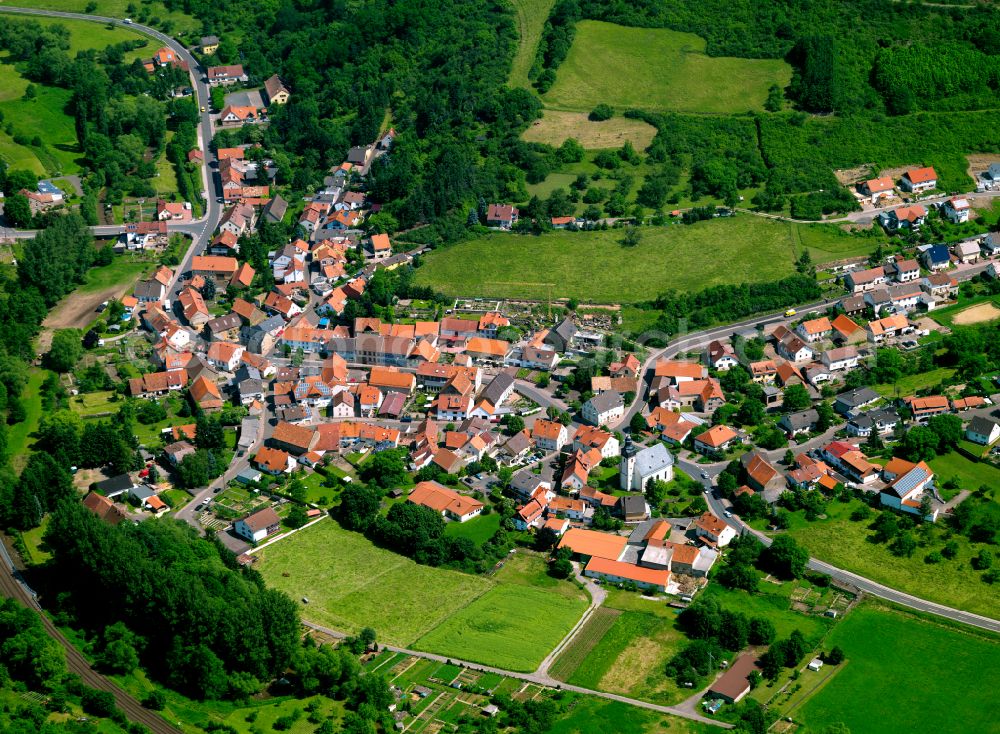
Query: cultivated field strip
x: 586, y: 639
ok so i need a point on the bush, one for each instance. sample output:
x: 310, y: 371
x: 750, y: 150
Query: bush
x: 834, y: 657
x: 155, y: 700
x: 97, y: 703
x: 601, y: 112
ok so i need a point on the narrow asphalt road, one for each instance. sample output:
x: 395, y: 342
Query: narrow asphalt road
x: 866, y: 585
x: 537, y: 678
x: 199, y: 230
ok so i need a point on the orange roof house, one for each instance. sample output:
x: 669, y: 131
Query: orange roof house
x: 446, y: 501
x: 594, y: 544
x: 716, y: 437
x: 214, y: 265
x: 616, y: 571
x: 206, y: 393
x: 392, y: 380
x: 677, y: 370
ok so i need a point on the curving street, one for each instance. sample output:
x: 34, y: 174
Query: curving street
x: 200, y: 230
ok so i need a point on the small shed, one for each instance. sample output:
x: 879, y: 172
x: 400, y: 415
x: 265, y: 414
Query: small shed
x: 815, y: 664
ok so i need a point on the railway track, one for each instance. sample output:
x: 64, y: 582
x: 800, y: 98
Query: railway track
x: 75, y: 661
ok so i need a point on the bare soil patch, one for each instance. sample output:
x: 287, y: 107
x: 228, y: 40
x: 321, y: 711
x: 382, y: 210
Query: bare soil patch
x: 851, y: 176
x: 556, y: 126
x: 977, y: 314
x: 979, y: 162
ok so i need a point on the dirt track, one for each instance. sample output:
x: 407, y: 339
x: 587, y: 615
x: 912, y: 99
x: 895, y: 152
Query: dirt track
x: 76, y: 312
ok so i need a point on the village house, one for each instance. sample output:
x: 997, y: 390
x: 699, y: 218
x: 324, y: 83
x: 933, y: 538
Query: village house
x: 226, y: 75
x: 220, y: 269
x: 240, y: 114
x: 859, y: 281
x: 841, y: 358
x: 296, y: 440
x: 815, y: 330
x: 713, y: 530
x: 225, y: 356
x: 716, y: 440
x: 206, y: 394
x: 259, y: 525
x: 377, y: 247
x: 195, y: 311
x: 927, y: 407
x: 850, y: 461
x: 890, y: 326
x: 791, y: 346
x: 966, y: 252
x: 801, y: 421
x: 173, y: 211
x: 604, y: 409
x: 936, y: 257
x: 908, y: 485
x: 940, y: 286
x: 903, y: 218
x: 850, y: 403
x: 764, y: 372
x: 903, y: 271
x: 761, y: 474
x: 450, y: 504
x: 899, y: 298
x: 589, y: 437
x: 209, y: 45
x: 956, y: 209
x: 275, y: 91
x: 917, y: 180
x: 157, y: 384
x: 982, y: 431
x: 721, y: 356
x: 503, y: 216
x: 877, y: 188
x: 549, y: 435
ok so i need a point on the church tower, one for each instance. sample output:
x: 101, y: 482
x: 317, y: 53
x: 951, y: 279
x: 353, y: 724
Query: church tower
x: 627, y: 466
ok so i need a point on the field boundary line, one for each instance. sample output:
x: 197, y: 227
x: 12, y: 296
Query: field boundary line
x: 289, y: 534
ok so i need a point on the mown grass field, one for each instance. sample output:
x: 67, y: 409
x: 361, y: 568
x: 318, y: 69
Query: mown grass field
x: 558, y: 125
x: 85, y: 34
x: 658, y: 69
x: 907, y: 674
x: 19, y: 434
x: 595, y: 266
x: 478, y: 530
x: 592, y: 715
x: 971, y: 475
x: 844, y: 543
x: 909, y: 384
x: 531, y: 17
x: 177, y: 21
x: 510, y: 626
x: 351, y: 583
x: 45, y: 115
x: 630, y: 657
